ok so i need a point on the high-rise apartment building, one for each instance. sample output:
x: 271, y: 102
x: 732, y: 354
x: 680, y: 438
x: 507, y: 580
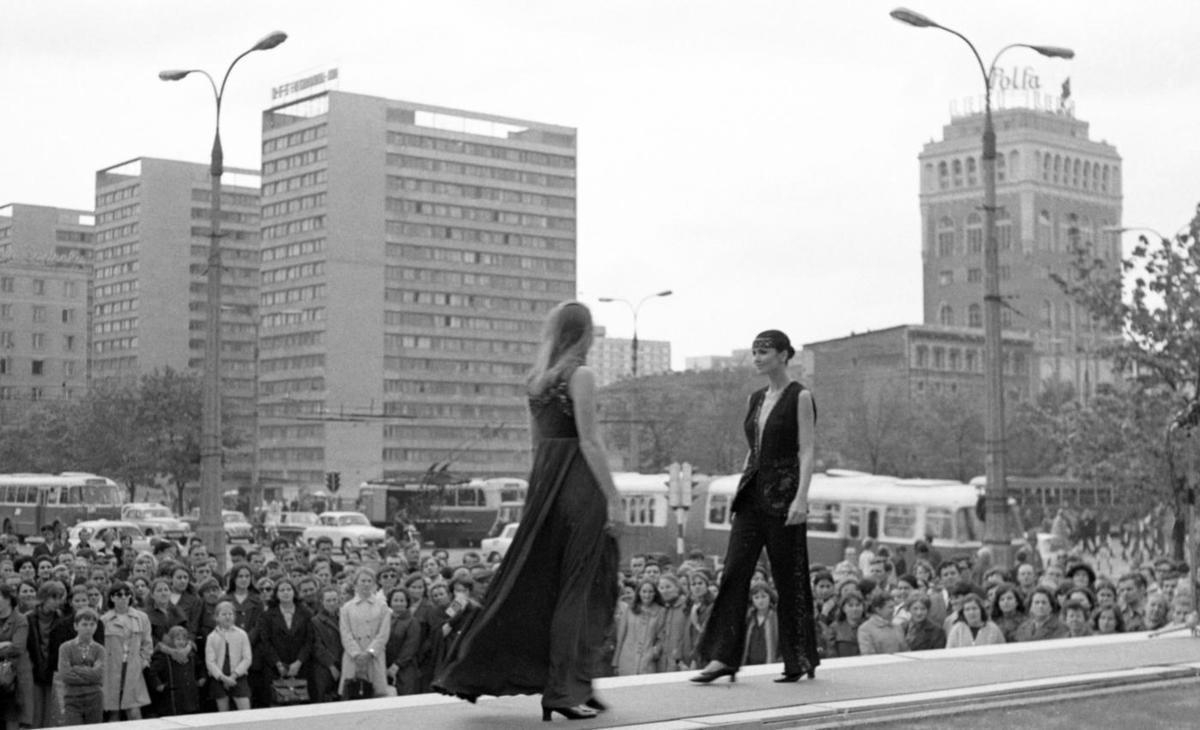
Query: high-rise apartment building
x: 410, y: 254
x: 45, y: 257
x: 148, y: 313
x: 1055, y: 188
x: 612, y: 357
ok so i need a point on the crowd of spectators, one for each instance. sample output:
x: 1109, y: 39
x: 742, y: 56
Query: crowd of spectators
x: 91, y: 632
x: 95, y: 632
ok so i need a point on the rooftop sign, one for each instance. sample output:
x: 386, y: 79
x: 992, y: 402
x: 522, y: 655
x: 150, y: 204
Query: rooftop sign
x: 310, y: 84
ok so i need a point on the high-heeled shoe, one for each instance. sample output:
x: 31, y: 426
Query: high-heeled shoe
x: 596, y: 705
x: 795, y: 676
x: 579, y: 712
x: 708, y: 675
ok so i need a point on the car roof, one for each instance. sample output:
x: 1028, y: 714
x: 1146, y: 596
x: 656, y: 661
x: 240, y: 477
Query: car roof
x: 90, y: 524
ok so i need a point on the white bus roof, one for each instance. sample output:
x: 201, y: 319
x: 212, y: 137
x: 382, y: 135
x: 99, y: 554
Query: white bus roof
x: 627, y: 481
x: 872, y: 489
x: 66, y: 478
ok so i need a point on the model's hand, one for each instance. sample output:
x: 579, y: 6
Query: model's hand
x: 797, y: 513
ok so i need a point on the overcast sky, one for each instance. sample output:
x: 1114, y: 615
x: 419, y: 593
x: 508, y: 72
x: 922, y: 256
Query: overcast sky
x: 758, y: 157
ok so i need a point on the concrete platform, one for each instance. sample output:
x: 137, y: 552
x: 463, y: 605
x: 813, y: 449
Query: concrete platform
x: 846, y: 691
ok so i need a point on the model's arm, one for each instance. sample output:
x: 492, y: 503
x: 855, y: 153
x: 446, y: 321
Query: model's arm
x: 583, y: 393
x: 806, y: 421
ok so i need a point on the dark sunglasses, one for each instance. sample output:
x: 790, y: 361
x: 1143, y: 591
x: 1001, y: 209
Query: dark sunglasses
x: 122, y: 594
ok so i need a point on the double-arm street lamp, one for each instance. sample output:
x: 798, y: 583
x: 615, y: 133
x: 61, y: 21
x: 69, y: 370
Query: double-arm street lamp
x: 634, y: 309
x: 996, y: 527
x: 211, y: 528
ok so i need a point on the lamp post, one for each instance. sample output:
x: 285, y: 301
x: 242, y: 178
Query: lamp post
x: 634, y: 310
x: 211, y: 528
x: 996, y: 528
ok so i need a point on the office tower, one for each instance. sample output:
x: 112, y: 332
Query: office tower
x: 410, y: 254
x: 148, y: 313
x: 1055, y: 188
x: 45, y: 257
x: 612, y: 357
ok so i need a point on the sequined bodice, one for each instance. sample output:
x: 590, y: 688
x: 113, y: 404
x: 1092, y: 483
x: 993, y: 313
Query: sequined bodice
x: 554, y: 411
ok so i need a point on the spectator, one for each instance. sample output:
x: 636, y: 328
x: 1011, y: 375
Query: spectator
x: 1008, y: 611
x: 676, y: 639
x: 878, y: 635
x: 364, y: 623
x: 701, y: 603
x: 41, y: 623
x: 404, y: 640
x: 1042, y: 622
x: 285, y: 636
x: 227, y: 657
x: 1075, y: 618
x: 904, y: 588
x: 14, y: 643
x: 327, y: 647
x: 972, y: 626
x: 127, y: 648
x: 177, y: 674
x: 922, y: 633
x: 1131, y: 589
x: 762, y: 626
x: 1082, y: 575
x: 840, y: 639
x: 941, y: 603
x: 639, y: 630
x: 1107, y: 620
x: 80, y: 666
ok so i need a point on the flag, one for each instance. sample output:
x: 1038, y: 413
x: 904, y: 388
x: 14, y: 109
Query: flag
x: 1066, y: 89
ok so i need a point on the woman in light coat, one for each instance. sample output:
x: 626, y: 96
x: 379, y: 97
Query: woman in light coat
x: 365, y: 622
x: 972, y: 627
x: 639, y: 633
x: 128, y: 646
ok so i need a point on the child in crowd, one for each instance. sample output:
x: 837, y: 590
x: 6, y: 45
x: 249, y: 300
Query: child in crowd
x: 177, y: 681
x: 227, y: 656
x: 81, y: 668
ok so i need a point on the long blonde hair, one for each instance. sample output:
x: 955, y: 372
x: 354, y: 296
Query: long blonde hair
x: 566, y: 338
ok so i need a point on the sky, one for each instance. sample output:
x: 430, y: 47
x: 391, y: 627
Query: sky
x: 756, y: 157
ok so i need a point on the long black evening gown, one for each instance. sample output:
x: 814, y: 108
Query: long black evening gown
x: 543, y: 621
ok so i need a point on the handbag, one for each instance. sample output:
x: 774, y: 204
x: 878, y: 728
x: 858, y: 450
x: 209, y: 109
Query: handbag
x: 289, y: 691
x: 359, y: 689
x: 8, y: 676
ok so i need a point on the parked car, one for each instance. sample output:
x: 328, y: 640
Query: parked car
x: 290, y: 525
x: 346, y: 529
x: 152, y: 515
x: 237, y: 527
x: 99, y: 529
x: 499, y: 545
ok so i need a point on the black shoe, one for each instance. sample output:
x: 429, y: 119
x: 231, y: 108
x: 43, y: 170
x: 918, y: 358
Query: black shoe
x: 709, y: 675
x: 795, y: 677
x: 596, y: 705
x: 580, y: 712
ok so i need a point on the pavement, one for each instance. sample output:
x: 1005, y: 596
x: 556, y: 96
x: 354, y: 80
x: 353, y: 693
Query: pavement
x: 898, y: 690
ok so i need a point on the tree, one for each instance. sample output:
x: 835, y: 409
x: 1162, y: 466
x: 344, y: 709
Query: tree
x: 169, y: 419
x: 947, y: 433
x: 873, y: 434
x: 1159, y: 347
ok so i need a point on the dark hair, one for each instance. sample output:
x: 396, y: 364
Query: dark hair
x: 285, y: 581
x: 1116, y: 612
x: 1004, y: 589
x: 850, y: 596
x: 761, y: 587
x: 821, y: 575
x: 162, y: 546
x: 51, y: 589
x: 1043, y: 590
x: 878, y: 601
x: 1074, y: 606
x: 465, y: 581
x: 394, y: 591
x: 637, y: 599
x: 972, y: 599
x: 775, y: 340
x: 9, y: 595
x: 119, y: 586
x: 86, y: 613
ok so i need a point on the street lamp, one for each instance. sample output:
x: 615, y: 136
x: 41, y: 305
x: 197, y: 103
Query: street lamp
x: 995, y: 529
x: 634, y: 309
x: 211, y: 528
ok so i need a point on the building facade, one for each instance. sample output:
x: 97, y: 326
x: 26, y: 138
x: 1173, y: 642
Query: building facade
x: 612, y: 357
x: 151, y: 263
x: 736, y: 360
x: 410, y: 254
x: 45, y: 267
x: 1055, y: 189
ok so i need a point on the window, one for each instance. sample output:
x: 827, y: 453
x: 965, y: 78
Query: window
x: 38, y: 367
x: 68, y: 316
x: 39, y: 313
x: 974, y: 317
x: 974, y: 234
x: 943, y: 175
x: 939, y: 523
x: 854, y: 522
x: 965, y: 524
x: 945, y: 277
x: 6, y: 311
x: 971, y: 177
x: 958, y: 173
x: 922, y: 356
x: 971, y: 359
x: 946, y: 315
x: 38, y: 340
x: 7, y: 341
x: 68, y: 368
x: 645, y: 510
x: 4, y: 366
x: 939, y: 358
x: 1045, y: 232
x: 955, y: 360
x: 39, y: 287
x: 945, y: 238
x: 898, y: 521
x: 6, y: 284
x: 824, y: 517
x: 69, y: 343
x: 718, y: 509
x: 70, y: 289
x: 1004, y: 231
x: 974, y: 276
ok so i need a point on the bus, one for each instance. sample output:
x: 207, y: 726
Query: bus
x: 844, y: 507
x: 28, y: 501
x: 453, y: 515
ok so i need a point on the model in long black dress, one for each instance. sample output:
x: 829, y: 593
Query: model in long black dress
x: 546, y: 612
